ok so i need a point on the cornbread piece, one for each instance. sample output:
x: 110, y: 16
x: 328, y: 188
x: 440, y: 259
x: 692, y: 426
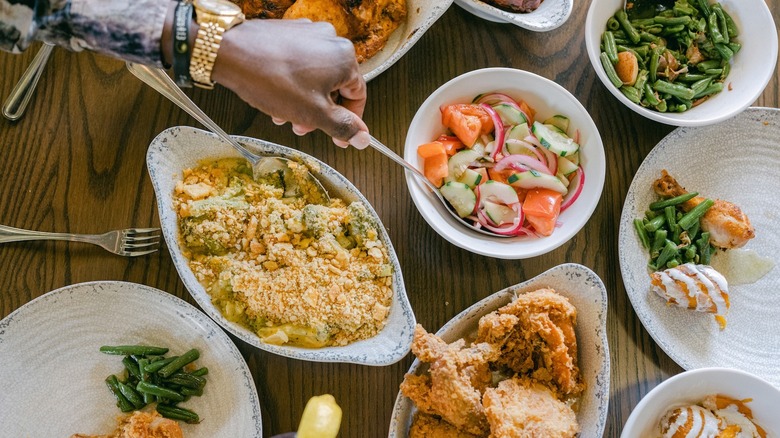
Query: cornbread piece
x: 142, y: 425
x: 295, y: 272
x: 429, y: 426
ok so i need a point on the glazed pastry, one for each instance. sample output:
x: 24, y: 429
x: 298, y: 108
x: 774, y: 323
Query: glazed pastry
x: 690, y: 421
x: 717, y: 416
x: 697, y: 287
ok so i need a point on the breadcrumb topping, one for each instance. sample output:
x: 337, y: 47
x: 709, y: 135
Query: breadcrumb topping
x: 295, y: 272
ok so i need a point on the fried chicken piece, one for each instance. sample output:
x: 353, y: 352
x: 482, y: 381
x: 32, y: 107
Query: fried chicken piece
x: 516, y: 5
x: 728, y: 226
x: 264, y: 8
x: 367, y: 23
x: 457, y: 377
x: 521, y: 408
x: 428, y: 426
x: 535, y: 334
x: 142, y: 425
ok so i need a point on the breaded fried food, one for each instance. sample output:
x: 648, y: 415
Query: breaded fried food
x: 535, y: 334
x: 521, y: 408
x: 264, y: 8
x: 142, y: 425
x: 457, y: 377
x: 429, y: 426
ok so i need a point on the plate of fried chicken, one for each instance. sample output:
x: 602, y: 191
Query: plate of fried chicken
x: 530, y: 360
x: 381, y: 30
x: 736, y: 164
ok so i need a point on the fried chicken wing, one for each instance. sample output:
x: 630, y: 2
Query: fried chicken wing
x: 535, y: 334
x: 728, y: 226
x: 264, y: 8
x: 457, y: 377
x: 428, y: 426
x: 521, y: 408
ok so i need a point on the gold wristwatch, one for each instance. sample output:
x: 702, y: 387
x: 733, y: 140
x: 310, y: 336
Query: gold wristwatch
x: 214, y: 17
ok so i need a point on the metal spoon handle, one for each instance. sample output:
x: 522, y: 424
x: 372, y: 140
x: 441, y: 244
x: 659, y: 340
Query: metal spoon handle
x: 160, y: 81
x: 376, y: 144
x: 14, y: 106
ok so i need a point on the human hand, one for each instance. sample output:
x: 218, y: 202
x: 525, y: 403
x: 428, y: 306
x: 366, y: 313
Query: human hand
x: 297, y: 71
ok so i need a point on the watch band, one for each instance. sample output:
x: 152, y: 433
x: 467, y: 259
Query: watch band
x: 181, y: 44
x: 205, y: 53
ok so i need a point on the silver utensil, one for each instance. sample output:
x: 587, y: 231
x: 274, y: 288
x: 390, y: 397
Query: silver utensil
x: 130, y: 242
x: 376, y: 144
x: 261, y: 166
x: 17, y: 101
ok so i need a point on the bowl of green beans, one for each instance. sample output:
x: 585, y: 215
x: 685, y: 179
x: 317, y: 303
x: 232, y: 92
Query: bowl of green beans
x: 683, y: 62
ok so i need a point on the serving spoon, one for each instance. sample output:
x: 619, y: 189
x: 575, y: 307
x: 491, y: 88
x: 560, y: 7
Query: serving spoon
x: 376, y: 144
x: 262, y: 166
x: 17, y: 101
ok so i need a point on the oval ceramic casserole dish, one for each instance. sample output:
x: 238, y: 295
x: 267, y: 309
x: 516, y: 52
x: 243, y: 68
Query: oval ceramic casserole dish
x: 179, y: 148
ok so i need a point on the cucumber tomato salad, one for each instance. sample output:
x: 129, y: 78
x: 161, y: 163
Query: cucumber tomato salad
x: 503, y: 170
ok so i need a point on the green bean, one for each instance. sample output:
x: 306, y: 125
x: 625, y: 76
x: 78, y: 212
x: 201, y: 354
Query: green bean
x: 708, y: 65
x: 735, y: 47
x: 672, y: 21
x: 715, y: 87
x: 159, y: 391
x: 622, y: 18
x: 642, y: 22
x: 672, y: 263
x: 612, y: 24
x: 715, y: 34
x: 690, y: 252
x: 683, y: 8
x: 631, y: 93
x: 156, y: 366
x: 200, y: 372
x: 673, y: 89
x: 610, y: 48
x: 677, y: 200
x: 695, y: 213
x: 704, y: 7
x: 641, y: 80
x: 661, y: 107
x: 655, y: 57
x: 177, y: 413
x: 179, y: 362
x: 692, y: 77
x: 671, y: 30
x: 670, y: 218
x: 718, y: 12
x: 131, y: 367
x: 668, y: 253
x: 676, y: 230
x: 197, y: 392
x: 640, y: 230
x: 658, y: 242
x: 705, y: 249
x: 714, y: 71
x: 649, y: 214
x: 655, y: 223
x: 725, y: 51
x: 693, y: 230
x: 609, y: 69
x: 121, y: 401
x: 731, y: 26
x: 131, y: 395
x: 652, y: 99
x: 701, y: 85
x: 127, y: 350
x: 639, y: 56
x: 186, y: 380
x: 647, y: 36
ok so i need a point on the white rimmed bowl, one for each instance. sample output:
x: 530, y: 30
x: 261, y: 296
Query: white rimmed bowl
x: 751, y: 68
x: 421, y: 14
x: 692, y: 386
x: 586, y: 292
x: 550, y: 15
x: 179, y: 148
x: 548, y: 99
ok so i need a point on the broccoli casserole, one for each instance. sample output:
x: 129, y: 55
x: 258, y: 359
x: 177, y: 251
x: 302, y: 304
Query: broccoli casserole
x: 294, y: 272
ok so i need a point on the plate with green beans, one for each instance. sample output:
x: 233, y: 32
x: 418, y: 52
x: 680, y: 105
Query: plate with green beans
x: 84, y: 354
x: 736, y: 161
x: 688, y: 63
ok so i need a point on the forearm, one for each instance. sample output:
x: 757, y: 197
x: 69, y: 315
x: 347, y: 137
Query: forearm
x: 126, y: 29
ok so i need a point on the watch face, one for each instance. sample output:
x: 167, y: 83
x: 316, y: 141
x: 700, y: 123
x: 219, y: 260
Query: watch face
x: 218, y: 7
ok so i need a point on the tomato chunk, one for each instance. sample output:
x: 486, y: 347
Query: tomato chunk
x: 451, y: 144
x: 541, y: 208
x: 466, y: 121
x: 434, y: 162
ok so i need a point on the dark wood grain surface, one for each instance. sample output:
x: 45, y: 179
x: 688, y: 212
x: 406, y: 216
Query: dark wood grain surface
x: 75, y: 163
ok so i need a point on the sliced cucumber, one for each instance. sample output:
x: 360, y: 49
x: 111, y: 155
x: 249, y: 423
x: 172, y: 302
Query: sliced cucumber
x: 460, y: 162
x: 559, y: 121
x: 533, y: 179
x: 460, y: 196
x: 499, y: 214
x: 555, y: 128
x: 509, y: 114
x: 565, y: 166
x: 479, y: 147
x: 574, y: 158
x: 471, y: 177
x: 553, y: 140
x: 565, y: 181
x: 498, y: 191
x: 519, y: 132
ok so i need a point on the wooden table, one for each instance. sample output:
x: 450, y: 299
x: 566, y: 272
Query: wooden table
x: 75, y: 163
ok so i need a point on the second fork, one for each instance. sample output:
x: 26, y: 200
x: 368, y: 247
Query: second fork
x: 129, y: 242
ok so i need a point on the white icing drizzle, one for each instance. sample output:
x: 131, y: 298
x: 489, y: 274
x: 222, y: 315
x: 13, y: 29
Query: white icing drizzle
x: 694, y: 421
x: 705, y: 286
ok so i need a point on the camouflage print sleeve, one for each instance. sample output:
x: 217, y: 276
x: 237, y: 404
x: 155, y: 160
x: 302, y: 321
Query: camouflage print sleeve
x: 125, y: 29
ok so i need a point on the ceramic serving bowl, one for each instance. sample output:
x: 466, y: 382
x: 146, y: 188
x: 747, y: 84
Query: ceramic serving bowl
x: 751, y: 68
x: 586, y: 292
x: 421, y: 14
x: 548, y: 99
x: 179, y: 148
x: 692, y: 386
x: 550, y: 15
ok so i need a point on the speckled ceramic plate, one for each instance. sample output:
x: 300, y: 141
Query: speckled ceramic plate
x: 421, y: 14
x: 179, y: 148
x: 52, y: 374
x: 586, y: 292
x: 550, y: 15
x: 737, y: 160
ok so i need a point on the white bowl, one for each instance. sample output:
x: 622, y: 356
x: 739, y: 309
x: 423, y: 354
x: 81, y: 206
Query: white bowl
x: 550, y: 15
x: 692, y: 386
x: 421, y: 14
x: 751, y: 68
x: 586, y: 292
x: 179, y: 148
x: 548, y: 99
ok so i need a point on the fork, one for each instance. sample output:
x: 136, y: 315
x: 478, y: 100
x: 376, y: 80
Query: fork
x: 130, y: 242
